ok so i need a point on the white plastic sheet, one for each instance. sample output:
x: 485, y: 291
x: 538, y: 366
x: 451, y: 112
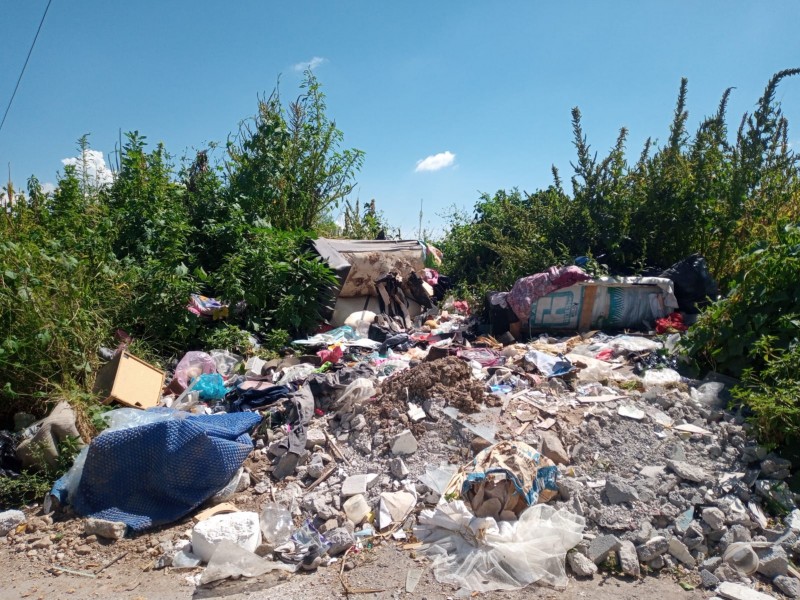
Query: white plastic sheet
x: 482, y: 555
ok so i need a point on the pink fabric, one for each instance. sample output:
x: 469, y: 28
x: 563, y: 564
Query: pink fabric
x: 528, y: 290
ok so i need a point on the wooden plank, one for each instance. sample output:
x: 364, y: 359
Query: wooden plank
x: 585, y: 319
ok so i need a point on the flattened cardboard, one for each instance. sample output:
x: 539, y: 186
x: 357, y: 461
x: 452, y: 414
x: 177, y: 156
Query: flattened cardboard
x: 129, y: 381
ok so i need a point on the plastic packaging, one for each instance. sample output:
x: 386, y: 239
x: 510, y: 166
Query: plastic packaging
x: 211, y: 386
x: 230, y: 560
x: 276, y: 524
x: 296, y: 373
x: 482, y: 555
x: 307, y: 536
x: 190, y: 366
x: 226, y: 362
x: 358, y: 391
x: 183, y: 559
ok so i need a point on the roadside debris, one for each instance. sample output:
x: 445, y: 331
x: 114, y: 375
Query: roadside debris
x: 502, y: 463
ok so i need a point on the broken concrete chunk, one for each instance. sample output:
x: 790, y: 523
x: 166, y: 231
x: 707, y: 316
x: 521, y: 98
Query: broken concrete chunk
x: 679, y: 550
x: 553, y: 449
x: 628, y: 559
x: 242, y: 528
x: 9, y: 520
x: 112, y: 530
x: 653, y: 547
x: 415, y: 412
x: 773, y: 562
x: 708, y: 580
x: 789, y: 586
x: 688, y: 471
x: 630, y: 412
x: 735, y: 591
x: 618, y: 491
x: 601, y: 547
x: 714, y: 517
x: 398, y: 468
x: 404, y: 443
x: 356, y: 508
x: 315, y: 437
x: 358, y: 484
x: 580, y: 565
x: 652, y: 472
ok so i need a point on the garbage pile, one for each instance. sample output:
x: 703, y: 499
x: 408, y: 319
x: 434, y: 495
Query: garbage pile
x: 503, y: 464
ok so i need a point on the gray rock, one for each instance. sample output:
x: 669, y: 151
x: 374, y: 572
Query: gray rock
x: 708, y: 580
x: 734, y: 591
x: 712, y: 563
x: 404, y: 443
x: 714, y: 517
x: 9, y: 520
x: 580, y: 565
x: 679, y: 550
x: 111, y: 530
x: 652, y: 472
x: 653, y: 547
x: 553, y: 449
x: 772, y: 562
x: 657, y: 563
x: 340, y: 539
x: 601, y: 547
x: 358, y: 484
x: 774, y: 467
x: 315, y: 437
x: 398, y: 468
x: 262, y: 487
x: 358, y: 422
x: 316, y: 467
x: 725, y: 572
x: 789, y: 586
x: 618, y: 491
x: 688, y: 471
x: 628, y: 559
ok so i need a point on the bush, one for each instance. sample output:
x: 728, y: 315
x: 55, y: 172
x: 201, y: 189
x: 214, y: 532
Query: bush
x: 753, y: 334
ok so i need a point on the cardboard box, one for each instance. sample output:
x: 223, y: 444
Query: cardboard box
x: 129, y: 381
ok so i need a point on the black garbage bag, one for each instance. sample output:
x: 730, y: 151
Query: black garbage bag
x: 694, y: 286
x: 10, y: 465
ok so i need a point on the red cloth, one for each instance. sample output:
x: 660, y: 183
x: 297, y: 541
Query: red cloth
x: 671, y: 324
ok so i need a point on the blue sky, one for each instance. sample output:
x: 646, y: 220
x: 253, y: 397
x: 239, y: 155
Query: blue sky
x: 491, y: 83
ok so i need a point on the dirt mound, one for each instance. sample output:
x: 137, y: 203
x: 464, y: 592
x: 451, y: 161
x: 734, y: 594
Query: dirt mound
x: 449, y: 379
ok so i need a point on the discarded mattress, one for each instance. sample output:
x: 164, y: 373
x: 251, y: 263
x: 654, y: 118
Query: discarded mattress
x: 605, y: 303
x: 358, y: 263
x: 156, y: 473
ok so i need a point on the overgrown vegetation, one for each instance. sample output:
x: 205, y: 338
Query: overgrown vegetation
x: 90, y: 259
x: 703, y: 193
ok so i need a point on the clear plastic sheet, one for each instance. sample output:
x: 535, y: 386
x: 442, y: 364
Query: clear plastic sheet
x: 482, y: 555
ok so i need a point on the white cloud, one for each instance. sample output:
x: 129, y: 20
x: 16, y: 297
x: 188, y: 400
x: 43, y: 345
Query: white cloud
x: 96, y: 169
x: 312, y: 64
x: 48, y: 187
x: 435, y: 162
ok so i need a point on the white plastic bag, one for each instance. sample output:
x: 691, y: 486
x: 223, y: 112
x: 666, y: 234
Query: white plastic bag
x: 482, y: 555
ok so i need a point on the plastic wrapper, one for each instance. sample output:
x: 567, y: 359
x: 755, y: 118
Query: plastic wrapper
x: 355, y: 393
x: 296, y: 373
x: 226, y: 361
x: 210, y: 386
x: 193, y: 364
x: 483, y: 555
x: 307, y: 536
x: 276, y: 524
x: 230, y: 560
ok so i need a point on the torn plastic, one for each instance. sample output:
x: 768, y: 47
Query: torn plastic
x: 354, y: 394
x: 184, y: 559
x: 549, y: 365
x: 483, y: 555
x: 276, y: 524
x: 192, y: 365
x: 210, y: 386
x: 230, y: 560
x: 307, y: 536
x: 226, y: 361
x: 296, y: 373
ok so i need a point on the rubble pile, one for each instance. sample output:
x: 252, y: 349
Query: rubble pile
x: 586, y: 453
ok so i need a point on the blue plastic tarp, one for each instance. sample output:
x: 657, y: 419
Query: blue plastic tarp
x: 159, y: 472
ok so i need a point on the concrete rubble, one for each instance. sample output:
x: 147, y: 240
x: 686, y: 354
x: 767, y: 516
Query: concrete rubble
x: 662, y: 474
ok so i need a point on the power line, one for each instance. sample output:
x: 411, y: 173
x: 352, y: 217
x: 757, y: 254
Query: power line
x: 16, y: 87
